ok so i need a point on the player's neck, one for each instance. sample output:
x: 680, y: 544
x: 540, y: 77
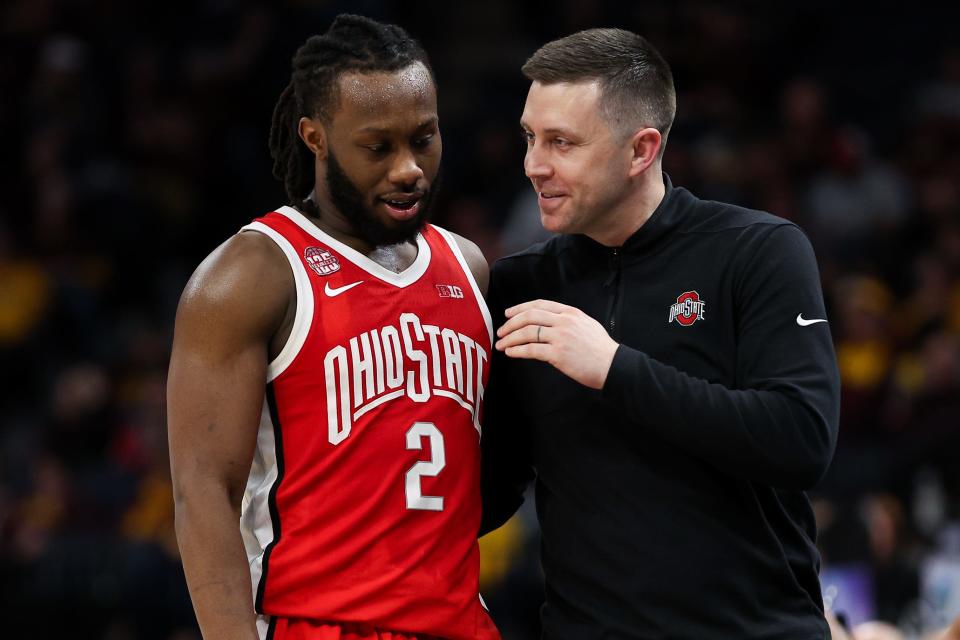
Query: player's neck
x: 632, y: 212
x: 326, y: 218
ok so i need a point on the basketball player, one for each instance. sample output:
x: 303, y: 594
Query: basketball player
x: 328, y: 368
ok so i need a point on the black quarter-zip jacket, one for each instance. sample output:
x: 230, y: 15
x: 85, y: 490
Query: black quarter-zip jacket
x: 671, y: 502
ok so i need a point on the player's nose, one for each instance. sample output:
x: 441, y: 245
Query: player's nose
x: 405, y: 171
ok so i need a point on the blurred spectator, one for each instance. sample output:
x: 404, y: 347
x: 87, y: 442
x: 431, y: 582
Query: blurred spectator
x: 855, y: 201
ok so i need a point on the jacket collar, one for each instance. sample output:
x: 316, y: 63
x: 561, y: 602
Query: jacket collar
x: 667, y: 216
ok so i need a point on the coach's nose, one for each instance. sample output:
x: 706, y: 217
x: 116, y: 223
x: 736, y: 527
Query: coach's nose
x: 536, y: 162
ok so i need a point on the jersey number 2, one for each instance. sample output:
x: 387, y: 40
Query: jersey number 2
x: 429, y: 468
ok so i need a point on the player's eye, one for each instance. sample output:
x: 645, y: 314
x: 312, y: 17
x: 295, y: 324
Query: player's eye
x: 378, y: 148
x: 423, y: 142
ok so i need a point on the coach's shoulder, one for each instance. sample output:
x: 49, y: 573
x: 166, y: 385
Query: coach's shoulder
x: 712, y: 215
x: 534, y: 254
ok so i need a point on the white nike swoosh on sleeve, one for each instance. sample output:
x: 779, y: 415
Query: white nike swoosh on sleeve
x: 806, y: 323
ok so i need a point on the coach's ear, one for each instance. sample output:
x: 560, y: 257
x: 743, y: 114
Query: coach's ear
x: 314, y: 136
x: 646, y: 147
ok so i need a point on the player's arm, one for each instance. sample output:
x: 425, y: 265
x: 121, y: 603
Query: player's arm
x: 229, y: 309
x: 475, y: 260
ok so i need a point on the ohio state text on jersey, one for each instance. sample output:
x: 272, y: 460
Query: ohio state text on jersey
x: 363, y: 501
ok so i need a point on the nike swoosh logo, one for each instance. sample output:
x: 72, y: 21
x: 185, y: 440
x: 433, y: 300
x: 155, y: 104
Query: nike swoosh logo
x: 807, y: 323
x: 334, y: 292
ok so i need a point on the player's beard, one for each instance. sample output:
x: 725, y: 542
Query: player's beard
x: 348, y: 200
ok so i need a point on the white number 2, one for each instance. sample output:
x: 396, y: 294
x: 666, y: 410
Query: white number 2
x: 429, y: 468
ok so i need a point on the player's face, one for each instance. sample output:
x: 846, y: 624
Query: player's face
x: 578, y: 166
x: 383, y: 152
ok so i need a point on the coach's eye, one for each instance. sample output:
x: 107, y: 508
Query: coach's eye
x: 527, y: 136
x: 563, y: 143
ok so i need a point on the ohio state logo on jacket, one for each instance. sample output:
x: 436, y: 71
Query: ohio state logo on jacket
x: 687, y: 309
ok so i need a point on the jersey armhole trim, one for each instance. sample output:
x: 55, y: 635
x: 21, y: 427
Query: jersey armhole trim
x: 303, y: 316
x: 484, y: 310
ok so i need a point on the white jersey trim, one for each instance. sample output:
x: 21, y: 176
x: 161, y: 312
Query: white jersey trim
x: 263, y: 626
x: 256, y: 522
x: 303, y: 316
x: 484, y: 310
x: 403, y: 279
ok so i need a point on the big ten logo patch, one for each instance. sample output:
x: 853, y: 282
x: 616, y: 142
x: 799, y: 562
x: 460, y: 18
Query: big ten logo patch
x: 321, y: 261
x: 449, y: 291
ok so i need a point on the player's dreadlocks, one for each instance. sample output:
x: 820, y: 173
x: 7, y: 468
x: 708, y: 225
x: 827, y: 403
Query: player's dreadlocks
x: 352, y: 43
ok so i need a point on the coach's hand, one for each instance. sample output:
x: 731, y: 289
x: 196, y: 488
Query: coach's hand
x: 563, y: 336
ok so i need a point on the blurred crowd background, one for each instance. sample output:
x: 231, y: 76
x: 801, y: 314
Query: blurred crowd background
x: 134, y: 142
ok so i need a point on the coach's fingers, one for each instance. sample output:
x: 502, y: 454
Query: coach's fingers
x: 545, y: 305
x: 528, y: 317
x: 530, y: 334
x: 530, y: 351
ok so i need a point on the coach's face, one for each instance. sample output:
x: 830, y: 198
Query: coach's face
x: 579, y: 167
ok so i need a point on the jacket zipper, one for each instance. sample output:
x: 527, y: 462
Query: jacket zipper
x: 614, y: 280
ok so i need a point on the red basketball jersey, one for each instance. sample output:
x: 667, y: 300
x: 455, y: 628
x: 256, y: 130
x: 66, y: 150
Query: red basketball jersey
x: 363, y: 501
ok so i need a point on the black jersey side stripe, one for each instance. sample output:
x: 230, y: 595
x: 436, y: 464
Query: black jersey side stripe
x: 271, y: 627
x: 272, y: 500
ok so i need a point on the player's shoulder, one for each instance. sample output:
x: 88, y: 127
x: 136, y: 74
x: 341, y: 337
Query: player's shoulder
x: 472, y: 255
x: 247, y: 255
x: 247, y: 272
x: 469, y: 249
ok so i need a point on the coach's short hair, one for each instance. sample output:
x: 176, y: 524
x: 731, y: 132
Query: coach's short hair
x: 636, y: 85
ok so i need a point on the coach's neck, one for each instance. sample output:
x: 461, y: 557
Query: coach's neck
x: 641, y: 199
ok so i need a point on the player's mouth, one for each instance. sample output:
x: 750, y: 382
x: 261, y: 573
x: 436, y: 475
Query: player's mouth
x: 402, y: 207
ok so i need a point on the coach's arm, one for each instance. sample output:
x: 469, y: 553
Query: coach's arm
x: 776, y: 425
x: 232, y: 305
x: 506, y: 467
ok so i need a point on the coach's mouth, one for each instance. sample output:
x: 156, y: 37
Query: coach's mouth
x: 549, y: 200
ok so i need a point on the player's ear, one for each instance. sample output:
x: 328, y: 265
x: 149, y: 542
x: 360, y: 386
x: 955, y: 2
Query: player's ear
x: 646, y: 147
x: 313, y: 135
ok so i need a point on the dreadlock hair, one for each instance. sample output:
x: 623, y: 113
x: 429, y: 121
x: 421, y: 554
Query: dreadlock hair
x: 352, y: 43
